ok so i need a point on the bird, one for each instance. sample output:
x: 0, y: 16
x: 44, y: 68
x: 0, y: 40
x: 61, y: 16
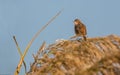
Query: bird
x: 79, y: 29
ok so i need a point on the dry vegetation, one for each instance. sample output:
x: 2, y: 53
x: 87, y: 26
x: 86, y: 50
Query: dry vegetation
x: 22, y: 55
x: 96, y: 56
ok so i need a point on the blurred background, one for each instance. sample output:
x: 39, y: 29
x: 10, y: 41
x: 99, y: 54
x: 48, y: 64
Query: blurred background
x: 23, y: 18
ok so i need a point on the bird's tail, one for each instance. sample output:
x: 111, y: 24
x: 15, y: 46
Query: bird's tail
x: 85, y: 38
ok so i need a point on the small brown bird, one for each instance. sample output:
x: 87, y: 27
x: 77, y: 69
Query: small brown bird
x: 80, y: 29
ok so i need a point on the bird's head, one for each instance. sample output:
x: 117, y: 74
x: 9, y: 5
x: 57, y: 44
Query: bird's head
x: 77, y: 22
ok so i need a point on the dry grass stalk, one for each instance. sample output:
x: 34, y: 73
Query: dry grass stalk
x: 19, y: 51
x: 30, y: 43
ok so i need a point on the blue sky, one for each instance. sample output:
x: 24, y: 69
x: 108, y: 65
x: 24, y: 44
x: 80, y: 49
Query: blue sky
x: 23, y: 18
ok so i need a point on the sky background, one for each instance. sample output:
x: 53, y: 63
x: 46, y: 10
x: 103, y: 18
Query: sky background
x: 23, y: 18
